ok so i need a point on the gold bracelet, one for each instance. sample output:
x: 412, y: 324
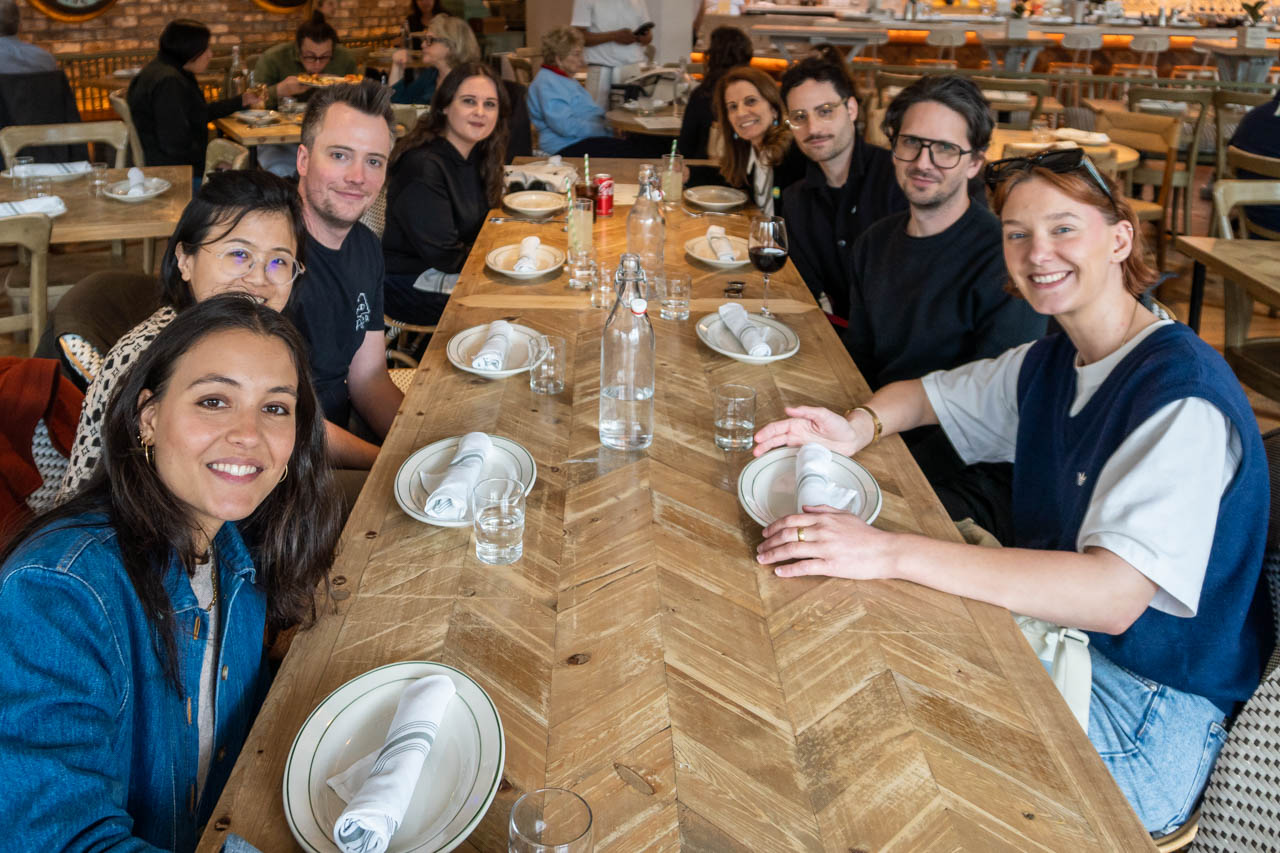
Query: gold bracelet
x: 875, y: 420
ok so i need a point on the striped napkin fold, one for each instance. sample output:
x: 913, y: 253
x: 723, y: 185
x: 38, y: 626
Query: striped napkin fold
x: 814, y: 486
x: 52, y: 170
x: 528, y: 260
x: 493, y: 353
x: 377, y: 788
x: 748, y: 333
x: 49, y: 205
x: 720, y: 245
x: 450, y: 500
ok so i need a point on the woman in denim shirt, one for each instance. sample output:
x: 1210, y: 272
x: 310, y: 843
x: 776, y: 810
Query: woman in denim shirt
x: 132, y: 616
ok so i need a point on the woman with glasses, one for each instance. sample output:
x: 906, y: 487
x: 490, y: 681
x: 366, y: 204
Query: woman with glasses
x: 448, y: 43
x: 132, y: 616
x: 1139, y: 483
x: 243, y: 232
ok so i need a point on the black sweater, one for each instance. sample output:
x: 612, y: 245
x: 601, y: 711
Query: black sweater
x: 695, y: 128
x: 436, y: 205
x: 171, y: 116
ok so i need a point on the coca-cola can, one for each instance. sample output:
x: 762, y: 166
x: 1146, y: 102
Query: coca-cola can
x: 604, y: 195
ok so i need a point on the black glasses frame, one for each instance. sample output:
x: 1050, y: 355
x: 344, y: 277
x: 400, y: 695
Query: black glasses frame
x: 927, y: 144
x: 1059, y: 160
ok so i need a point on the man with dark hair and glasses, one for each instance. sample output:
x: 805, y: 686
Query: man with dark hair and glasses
x: 848, y: 186
x: 928, y: 284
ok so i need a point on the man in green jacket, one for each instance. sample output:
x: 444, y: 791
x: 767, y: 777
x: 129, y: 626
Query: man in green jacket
x: 314, y: 50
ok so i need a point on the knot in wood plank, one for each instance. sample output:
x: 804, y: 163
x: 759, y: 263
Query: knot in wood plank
x: 634, y: 779
x: 223, y: 823
x: 579, y: 659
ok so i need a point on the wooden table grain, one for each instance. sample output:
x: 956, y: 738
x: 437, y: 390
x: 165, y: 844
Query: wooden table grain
x: 1253, y: 265
x: 637, y: 653
x: 100, y: 218
x: 288, y: 131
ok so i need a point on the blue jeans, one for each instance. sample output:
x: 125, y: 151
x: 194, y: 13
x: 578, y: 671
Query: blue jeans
x: 1159, y: 743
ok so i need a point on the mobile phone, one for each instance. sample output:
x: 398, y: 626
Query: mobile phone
x: 639, y: 31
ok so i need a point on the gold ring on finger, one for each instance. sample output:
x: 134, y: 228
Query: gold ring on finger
x: 799, y: 534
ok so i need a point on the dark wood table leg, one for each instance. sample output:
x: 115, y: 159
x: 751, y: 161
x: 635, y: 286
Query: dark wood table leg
x: 1197, y: 296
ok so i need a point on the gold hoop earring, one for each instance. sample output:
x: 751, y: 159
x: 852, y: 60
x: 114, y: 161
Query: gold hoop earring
x: 285, y: 474
x: 147, y: 450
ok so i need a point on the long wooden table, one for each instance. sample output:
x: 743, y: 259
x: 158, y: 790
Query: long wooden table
x: 99, y: 218
x: 288, y: 131
x: 638, y: 655
x: 1251, y: 269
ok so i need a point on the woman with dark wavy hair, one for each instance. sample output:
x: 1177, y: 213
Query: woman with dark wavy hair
x: 243, y: 232
x: 730, y: 48
x: 446, y: 174
x: 132, y: 617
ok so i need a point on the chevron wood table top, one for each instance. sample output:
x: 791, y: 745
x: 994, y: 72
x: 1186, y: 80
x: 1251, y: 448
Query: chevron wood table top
x: 91, y: 217
x: 638, y: 655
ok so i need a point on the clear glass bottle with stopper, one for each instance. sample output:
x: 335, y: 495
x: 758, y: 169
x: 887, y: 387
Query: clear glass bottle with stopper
x: 627, y: 363
x: 646, y: 226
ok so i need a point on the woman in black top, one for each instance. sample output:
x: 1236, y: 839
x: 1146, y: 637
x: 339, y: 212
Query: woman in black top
x: 167, y: 103
x: 420, y: 14
x: 445, y: 176
x: 730, y: 47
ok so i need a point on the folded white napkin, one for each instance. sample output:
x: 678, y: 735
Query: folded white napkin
x: 1084, y: 137
x: 719, y: 243
x: 528, y: 260
x: 50, y: 205
x: 748, y: 334
x: 561, y: 176
x: 137, y: 181
x: 813, y: 481
x: 51, y: 170
x: 378, y: 787
x: 450, y: 500
x: 493, y: 354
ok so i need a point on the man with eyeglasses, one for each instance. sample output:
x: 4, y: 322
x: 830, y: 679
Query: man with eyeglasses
x: 928, y: 284
x: 848, y: 186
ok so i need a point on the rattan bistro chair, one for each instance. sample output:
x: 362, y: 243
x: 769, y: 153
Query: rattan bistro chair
x: 31, y: 232
x: 17, y: 137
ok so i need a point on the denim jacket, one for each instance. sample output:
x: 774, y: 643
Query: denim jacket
x: 97, y: 749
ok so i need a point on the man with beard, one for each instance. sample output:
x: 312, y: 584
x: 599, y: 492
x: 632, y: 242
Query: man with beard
x: 337, y: 305
x: 848, y: 186
x: 928, y: 283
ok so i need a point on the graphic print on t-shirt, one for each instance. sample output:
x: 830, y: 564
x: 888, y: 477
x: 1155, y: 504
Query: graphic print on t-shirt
x: 362, y: 311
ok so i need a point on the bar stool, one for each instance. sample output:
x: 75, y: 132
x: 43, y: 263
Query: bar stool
x: 946, y: 39
x: 1148, y: 48
x: 1082, y: 45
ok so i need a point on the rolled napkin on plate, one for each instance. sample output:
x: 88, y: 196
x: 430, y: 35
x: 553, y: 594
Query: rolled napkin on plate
x: 493, y: 353
x: 813, y: 481
x: 528, y: 260
x: 377, y: 788
x: 137, y: 181
x: 720, y: 245
x: 748, y: 333
x: 450, y: 500
x: 49, y: 205
x: 52, y: 170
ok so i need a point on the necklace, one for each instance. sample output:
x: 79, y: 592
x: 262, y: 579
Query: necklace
x: 213, y: 578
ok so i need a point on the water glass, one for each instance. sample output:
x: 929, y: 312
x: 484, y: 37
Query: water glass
x: 548, y: 355
x: 672, y: 178
x: 547, y: 820
x: 674, y: 290
x: 1040, y: 131
x: 19, y: 171
x: 39, y: 186
x: 735, y: 416
x: 581, y: 212
x: 603, y: 292
x: 583, y: 274
x: 98, y: 179
x: 497, y: 512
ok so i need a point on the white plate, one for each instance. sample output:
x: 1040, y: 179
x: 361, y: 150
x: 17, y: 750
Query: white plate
x: 257, y: 117
x: 548, y: 259
x: 151, y: 187
x: 644, y: 106
x: 699, y: 249
x: 506, y: 459
x: 714, y: 333
x: 715, y: 198
x: 459, y: 778
x: 767, y: 486
x: 534, y: 202
x: 465, y: 344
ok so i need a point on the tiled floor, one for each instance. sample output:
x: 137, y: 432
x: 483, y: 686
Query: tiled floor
x: 70, y: 266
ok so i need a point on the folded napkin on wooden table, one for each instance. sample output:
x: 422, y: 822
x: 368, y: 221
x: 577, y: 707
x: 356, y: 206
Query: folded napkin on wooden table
x: 497, y: 341
x: 450, y: 500
x: 814, y: 486
x: 748, y: 333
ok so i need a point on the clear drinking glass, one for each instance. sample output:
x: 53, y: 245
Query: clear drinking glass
x: 497, y: 512
x: 18, y: 171
x: 603, y: 291
x: 1040, y: 131
x: 672, y: 178
x: 583, y: 274
x: 674, y: 290
x: 98, y: 179
x: 550, y: 820
x: 767, y: 248
x: 39, y: 186
x: 735, y: 416
x: 581, y: 214
x: 547, y: 356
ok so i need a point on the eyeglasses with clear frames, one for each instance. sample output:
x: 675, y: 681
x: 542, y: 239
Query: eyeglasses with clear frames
x: 279, y: 269
x: 797, y: 119
x: 317, y: 57
x: 945, y: 155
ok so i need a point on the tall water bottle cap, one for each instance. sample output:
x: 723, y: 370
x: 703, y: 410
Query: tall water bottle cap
x: 639, y: 306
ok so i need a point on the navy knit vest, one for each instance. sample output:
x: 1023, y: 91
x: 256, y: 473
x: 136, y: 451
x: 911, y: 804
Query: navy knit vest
x: 1219, y: 653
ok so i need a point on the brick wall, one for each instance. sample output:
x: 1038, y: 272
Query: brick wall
x: 133, y: 24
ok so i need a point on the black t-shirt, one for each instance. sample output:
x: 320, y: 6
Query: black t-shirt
x: 334, y: 304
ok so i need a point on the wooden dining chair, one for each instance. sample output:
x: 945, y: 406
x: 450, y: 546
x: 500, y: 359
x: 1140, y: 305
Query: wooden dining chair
x: 1150, y: 172
x: 1157, y: 135
x: 1148, y: 48
x: 224, y: 154
x: 31, y: 233
x: 17, y: 137
x: 1229, y: 107
x: 120, y: 104
x: 1082, y: 45
x: 1239, y: 160
x: 1018, y: 119
x: 886, y: 80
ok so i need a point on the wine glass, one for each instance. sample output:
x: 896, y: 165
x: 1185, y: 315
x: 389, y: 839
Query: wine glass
x: 767, y: 248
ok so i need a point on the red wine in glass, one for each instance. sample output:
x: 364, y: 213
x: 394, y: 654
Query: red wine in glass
x: 767, y: 248
x: 768, y: 259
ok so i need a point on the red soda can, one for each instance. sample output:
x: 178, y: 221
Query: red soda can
x: 604, y: 195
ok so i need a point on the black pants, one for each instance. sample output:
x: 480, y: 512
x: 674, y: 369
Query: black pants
x: 983, y: 492
x: 419, y: 307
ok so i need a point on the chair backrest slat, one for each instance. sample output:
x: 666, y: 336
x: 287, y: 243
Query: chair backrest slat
x: 17, y: 137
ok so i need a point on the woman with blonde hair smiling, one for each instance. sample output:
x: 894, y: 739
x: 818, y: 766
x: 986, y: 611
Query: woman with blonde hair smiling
x: 448, y: 43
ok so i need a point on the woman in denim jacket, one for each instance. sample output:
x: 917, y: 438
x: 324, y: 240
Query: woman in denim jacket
x: 132, y: 616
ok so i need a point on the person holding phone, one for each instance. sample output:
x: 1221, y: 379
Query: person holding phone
x: 616, y: 33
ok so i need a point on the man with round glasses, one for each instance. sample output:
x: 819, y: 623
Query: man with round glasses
x: 928, y: 284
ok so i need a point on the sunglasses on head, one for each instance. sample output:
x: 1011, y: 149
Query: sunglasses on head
x: 1059, y: 160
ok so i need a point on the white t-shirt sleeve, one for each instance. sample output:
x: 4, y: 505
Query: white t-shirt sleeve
x: 977, y: 405
x: 581, y: 16
x: 1155, y: 504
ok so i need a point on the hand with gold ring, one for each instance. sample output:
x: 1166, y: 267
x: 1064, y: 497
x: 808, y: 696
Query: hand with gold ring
x: 829, y: 542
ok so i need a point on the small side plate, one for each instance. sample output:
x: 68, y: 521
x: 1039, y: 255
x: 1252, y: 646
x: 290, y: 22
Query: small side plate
x: 503, y: 260
x: 714, y: 333
x: 767, y: 486
x: 465, y: 344
x: 506, y: 459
